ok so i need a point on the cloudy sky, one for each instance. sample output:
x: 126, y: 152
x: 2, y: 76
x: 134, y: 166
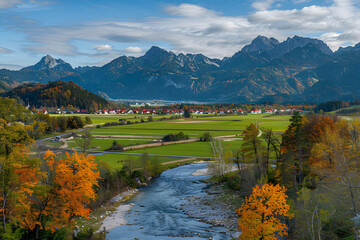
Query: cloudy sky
x: 93, y: 32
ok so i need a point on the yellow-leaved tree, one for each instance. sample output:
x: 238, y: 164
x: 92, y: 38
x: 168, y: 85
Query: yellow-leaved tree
x: 259, y: 215
x: 65, y: 188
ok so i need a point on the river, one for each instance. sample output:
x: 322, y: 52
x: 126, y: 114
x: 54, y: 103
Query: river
x: 157, y: 212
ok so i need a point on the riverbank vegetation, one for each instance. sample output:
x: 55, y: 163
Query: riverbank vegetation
x: 317, y: 161
x: 43, y: 194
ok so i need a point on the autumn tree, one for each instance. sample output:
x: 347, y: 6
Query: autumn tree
x: 335, y: 160
x: 259, y: 215
x: 18, y: 178
x: 14, y: 136
x: 65, y: 188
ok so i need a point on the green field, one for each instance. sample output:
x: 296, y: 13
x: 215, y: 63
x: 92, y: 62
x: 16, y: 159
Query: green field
x: 101, y: 144
x: 104, y: 118
x: 194, y: 127
x: 116, y: 161
x: 196, y: 149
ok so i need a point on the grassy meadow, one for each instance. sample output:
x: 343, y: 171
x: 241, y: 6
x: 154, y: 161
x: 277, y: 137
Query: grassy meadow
x: 148, y: 132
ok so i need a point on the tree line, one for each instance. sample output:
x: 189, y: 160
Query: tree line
x: 312, y: 171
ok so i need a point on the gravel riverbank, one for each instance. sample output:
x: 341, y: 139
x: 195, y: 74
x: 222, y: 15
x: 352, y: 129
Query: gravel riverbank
x: 217, y: 208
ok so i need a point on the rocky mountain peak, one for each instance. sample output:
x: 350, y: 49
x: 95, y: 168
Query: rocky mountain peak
x: 155, y: 52
x: 48, y: 62
x: 296, y: 42
x: 261, y: 43
x: 349, y: 48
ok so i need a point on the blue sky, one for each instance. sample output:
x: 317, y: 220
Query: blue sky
x: 93, y: 32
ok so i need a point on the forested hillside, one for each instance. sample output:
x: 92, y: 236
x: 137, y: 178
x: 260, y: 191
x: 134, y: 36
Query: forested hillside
x: 58, y: 94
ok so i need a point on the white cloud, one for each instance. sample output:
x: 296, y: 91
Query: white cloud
x: 133, y: 50
x: 189, y: 10
x: 103, y: 47
x: 5, y: 51
x: 194, y: 29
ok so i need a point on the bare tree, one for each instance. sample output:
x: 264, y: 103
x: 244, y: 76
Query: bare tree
x: 220, y: 165
x: 239, y: 160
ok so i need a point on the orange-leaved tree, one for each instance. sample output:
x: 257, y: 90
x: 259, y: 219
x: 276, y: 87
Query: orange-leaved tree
x: 66, y: 187
x: 259, y: 215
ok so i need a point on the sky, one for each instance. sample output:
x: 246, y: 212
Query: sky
x: 94, y: 32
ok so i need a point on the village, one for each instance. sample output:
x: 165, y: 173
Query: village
x: 171, y: 111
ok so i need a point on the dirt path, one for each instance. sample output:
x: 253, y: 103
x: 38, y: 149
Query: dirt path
x: 126, y: 136
x: 226, y: 136
x: 179, y: 161
x: 65, y: 144
x: 159, y: 144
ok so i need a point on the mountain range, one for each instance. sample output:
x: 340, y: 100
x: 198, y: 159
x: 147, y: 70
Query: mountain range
x: 298, y: 69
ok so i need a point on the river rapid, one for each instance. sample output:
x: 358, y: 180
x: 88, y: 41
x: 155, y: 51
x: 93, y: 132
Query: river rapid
x: 157, y: 212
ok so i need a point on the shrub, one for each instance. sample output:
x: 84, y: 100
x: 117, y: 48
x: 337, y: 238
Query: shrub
x: 115, y: 147
x: 206, y: 137
x: 175, y: 137
x: 88, y: 120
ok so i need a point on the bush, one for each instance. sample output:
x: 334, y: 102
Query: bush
x: 175, y: 137
x: 234, y: 182
x: 108, y: 124
x: 88, y: 120
x: 115, y: 147
x: 206, y: 137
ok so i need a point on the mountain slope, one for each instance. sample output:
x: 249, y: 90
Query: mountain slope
x: 58, y: 94
x: 46, y: 70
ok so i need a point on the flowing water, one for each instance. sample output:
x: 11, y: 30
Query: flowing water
x: 157, y: 213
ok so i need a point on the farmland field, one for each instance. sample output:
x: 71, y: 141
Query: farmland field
x: 147, y: 132
x: 116, y: 161
x: 196, y: 149
x: 196, y: 127
x: 104, y: 118
x: 102, y: 144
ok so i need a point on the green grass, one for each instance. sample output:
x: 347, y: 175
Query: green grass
x: 102, y: 118
x: 116, y: 161
x: 101, y: 144
x: 196, y: 149
x: 196, y: 127
x: 54, y: 144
